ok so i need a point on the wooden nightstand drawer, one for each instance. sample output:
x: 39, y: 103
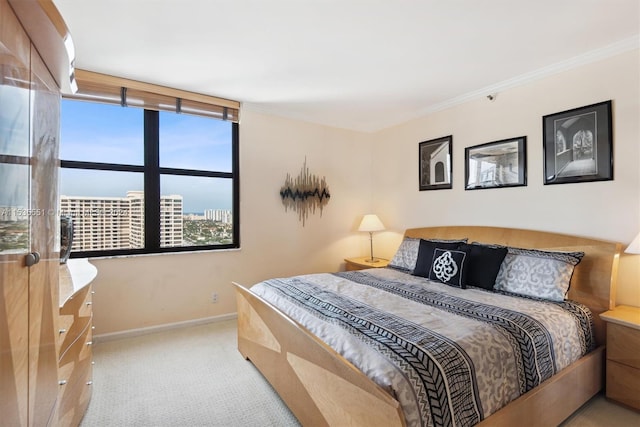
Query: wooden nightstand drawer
x: 623, y: 355
x: 623, y: 384
x: 623, y: 345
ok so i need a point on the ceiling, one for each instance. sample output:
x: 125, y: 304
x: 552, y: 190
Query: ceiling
x: 357, y: 64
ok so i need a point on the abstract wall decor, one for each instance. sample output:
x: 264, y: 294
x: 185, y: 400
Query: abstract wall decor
x: 304, y: 193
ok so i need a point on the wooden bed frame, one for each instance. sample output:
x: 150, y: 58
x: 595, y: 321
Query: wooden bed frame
x: 322, y: 388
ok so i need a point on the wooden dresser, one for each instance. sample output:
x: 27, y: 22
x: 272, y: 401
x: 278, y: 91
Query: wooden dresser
x: 623, y: 355
x: 75, y: 341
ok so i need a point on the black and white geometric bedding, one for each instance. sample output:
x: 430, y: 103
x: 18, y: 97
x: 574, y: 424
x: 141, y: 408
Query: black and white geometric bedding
x: 450, y: 356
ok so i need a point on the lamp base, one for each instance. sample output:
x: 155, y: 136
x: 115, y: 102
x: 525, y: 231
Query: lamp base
x: 372, y: 260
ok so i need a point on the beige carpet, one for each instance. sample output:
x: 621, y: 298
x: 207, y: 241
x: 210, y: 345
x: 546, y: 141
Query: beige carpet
x: 191, y: 376
x: 195, y: 376
x: 599, y: 412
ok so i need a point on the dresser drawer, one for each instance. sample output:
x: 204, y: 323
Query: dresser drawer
x: 76, y: 392
x: 623, y: 384
x: 64, y: 327
x: 623, y: 345
x: 79, y: 350
x: 75, y: 316
x: 77, y: 302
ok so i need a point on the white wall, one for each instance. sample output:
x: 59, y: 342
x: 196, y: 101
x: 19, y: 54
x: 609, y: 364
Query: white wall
x: 608, y: 210
x: 379, y: 173
x: 143, y: 291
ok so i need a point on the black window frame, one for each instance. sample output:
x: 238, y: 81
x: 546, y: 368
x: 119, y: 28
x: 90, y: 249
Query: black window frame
x: 152, y: 173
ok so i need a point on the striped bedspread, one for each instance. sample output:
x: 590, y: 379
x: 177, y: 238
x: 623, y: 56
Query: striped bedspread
x: 450, y: 356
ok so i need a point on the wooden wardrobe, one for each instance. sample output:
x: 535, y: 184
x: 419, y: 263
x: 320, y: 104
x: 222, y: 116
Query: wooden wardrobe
x: 35, y: 64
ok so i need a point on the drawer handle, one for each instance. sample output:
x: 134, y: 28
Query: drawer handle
x: 89, y: 342
x: 62, y: 382
x: 62, y: 331
x: 89, y: 303
x: 89, y: 382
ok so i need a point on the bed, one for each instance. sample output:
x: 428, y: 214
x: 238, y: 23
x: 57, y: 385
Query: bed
x: 327, y: 381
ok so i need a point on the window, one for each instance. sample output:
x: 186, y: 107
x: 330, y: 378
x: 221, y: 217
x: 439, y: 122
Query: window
x: 142, y: 180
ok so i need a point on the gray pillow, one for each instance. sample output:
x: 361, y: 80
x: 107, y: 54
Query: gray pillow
x: 406, y: 255
x: 537, y: 273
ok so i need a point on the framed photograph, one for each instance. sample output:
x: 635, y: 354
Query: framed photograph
x: 496, y: 164
x: 578, y: 145
x: 435, y: 163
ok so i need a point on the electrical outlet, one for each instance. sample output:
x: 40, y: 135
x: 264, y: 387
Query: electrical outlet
x: 214, y: 297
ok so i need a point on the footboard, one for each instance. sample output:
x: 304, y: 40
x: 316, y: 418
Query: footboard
x: 319, y: 386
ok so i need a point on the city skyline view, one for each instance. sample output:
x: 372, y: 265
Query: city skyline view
x: 105, y: 223
x: 186, y: 142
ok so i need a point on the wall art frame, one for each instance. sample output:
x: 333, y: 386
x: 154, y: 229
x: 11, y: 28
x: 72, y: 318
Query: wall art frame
x: 578, y: 145
x: 435, y: 164
x: 496, y: 164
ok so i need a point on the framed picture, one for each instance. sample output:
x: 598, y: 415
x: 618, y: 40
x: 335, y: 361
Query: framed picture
x: 578, y: 145
x: 496, y: 164
x: 435, y: 163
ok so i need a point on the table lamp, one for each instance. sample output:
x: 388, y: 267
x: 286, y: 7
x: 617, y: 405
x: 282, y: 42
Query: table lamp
x: 634, y: 247
x: 371, y: 223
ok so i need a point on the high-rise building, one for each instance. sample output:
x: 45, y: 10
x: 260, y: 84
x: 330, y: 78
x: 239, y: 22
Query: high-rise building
x: 118, y: 222
x: 220, y: 215
x: 136, y: 206
x: 98, y: 222
x: 171, y: 222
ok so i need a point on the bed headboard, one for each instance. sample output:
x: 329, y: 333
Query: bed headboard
x: 594, y: 278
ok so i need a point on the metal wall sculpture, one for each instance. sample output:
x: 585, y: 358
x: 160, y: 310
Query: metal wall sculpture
x: 304, y: 193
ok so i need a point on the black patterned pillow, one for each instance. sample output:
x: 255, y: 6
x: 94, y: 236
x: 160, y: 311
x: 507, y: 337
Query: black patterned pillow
x: 406, y: 256
x: 449, y: 267
x: 426, y: 253
x: 537, y: 273
x: 484, y: 264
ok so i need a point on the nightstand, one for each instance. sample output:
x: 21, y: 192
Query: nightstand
x: 361, y: 263
x: 623, y: 355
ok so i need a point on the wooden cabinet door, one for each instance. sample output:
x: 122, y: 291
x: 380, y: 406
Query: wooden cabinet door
x: 14, y: 219
x: 45, y: 239
x: 29, y: 133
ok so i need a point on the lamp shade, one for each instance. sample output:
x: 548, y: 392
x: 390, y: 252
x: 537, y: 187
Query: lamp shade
x: 371, y: 222
x: 634, y: 247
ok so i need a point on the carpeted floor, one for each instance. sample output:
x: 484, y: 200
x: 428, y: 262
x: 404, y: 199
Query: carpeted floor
x: 192, y: 376
x: 195, y: 377
x: 599, y: 412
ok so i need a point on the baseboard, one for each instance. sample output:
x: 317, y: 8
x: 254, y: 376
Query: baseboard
x: 130, y: 333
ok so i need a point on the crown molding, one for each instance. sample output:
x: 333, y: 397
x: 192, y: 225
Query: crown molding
x: 622, y: 46
x: 595, y: 55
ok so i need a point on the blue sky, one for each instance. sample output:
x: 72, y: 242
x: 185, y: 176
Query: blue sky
x: 113, y: 134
